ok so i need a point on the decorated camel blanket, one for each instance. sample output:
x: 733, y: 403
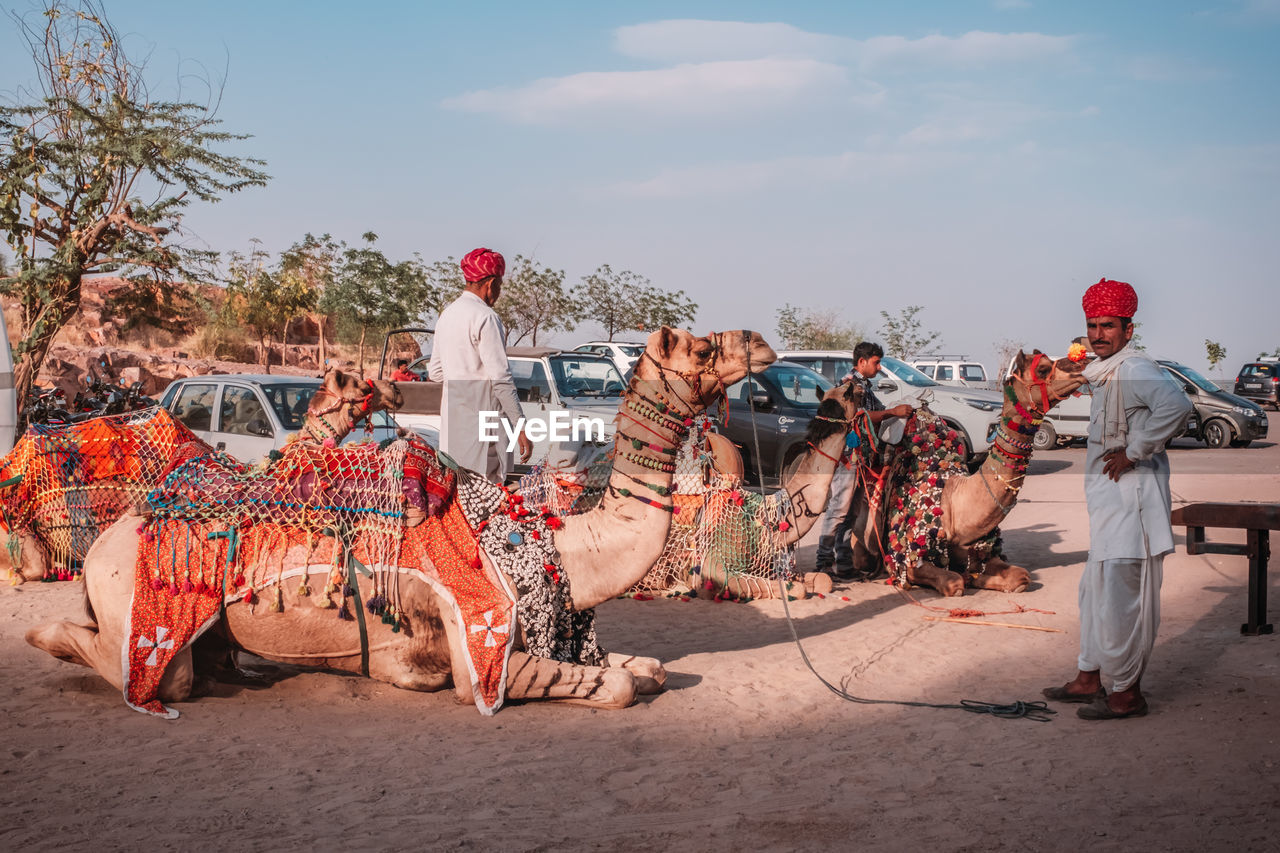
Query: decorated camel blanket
x: 911, y: 482
x: 220, y: 535
x: 66, y: 484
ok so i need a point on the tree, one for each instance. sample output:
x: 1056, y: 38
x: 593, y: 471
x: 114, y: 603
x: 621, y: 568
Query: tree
x: 1006, y: 349
x: 1273, y: 354
x: 903, y: 336
x: 802, y: 328
x: 370, y: 292
x: 1215, y: 351
x: 534, y: 301
x: 625, y: 300
x: 95, y: 174
x: 307, y: 269
x: 254, y: 297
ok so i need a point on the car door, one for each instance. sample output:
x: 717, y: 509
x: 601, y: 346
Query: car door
x: 746, y: 423
x: 243, y: 428
x: 193, y: 405
x: 537, y: 401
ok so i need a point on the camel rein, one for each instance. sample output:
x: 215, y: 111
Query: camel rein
x: 1037, y: 711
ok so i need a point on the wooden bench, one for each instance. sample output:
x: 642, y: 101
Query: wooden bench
x: 1258, y: 520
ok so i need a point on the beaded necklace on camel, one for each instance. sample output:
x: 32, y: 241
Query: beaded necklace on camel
x: 665, y: 415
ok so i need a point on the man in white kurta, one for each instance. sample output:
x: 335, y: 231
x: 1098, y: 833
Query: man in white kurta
x: 1136, y: 410
x: 469, y: 356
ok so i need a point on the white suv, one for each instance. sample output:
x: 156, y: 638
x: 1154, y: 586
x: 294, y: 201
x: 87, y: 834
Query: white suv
x: 972, y: 412
x: 952, y: 371
x: 623, y: 353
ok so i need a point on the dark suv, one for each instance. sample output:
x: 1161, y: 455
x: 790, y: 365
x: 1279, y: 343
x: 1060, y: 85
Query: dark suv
x: 781, y: 400
x: 1260, y: 380
x: 1223, y: 418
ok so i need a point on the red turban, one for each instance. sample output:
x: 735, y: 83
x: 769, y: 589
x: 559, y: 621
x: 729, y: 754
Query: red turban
x: 1110, y: 298
x: 479, y: 264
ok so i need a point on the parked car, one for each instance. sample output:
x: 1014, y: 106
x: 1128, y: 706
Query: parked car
x: 250, y: 415
x: 556, y: 388
x: 1260, y: 380
x: 972, y: 412
x: 623, y: 353
x: 774, y: 406
x: 1222, y: 418
x: 952, y: 370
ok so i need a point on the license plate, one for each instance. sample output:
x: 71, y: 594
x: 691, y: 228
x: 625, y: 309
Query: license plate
x: 1253, y: 384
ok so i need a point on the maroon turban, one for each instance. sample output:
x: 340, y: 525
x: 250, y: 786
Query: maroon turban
x: 1110, y: 298
x: 479, y: 264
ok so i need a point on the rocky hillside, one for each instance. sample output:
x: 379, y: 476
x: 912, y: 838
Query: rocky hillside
x: 101, y: 337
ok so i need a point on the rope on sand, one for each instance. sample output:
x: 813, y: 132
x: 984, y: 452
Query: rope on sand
x: 1039, y: 712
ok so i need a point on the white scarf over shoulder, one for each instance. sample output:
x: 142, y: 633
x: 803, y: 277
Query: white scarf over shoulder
x: 1099, y: 374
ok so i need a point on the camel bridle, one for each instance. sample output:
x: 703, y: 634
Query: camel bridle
x: 358, y: 409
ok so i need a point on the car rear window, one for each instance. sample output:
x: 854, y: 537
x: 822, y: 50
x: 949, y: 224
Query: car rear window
x: 973, y: 373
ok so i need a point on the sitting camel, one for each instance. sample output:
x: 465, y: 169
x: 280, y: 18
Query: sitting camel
x: 121, y: 459
x: 423, y: 642
x: 806, y: 489
x: 970, y: 507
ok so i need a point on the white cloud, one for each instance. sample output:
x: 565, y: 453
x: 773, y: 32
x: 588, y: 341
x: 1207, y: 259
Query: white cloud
x: 694, y: 40
x: 752, y: 176
x: 683, y: 90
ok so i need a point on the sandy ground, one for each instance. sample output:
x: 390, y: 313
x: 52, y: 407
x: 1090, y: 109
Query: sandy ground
x: 745, y: 750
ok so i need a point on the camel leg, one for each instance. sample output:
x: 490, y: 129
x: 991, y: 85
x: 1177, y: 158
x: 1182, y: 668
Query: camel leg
x: 649, y: 673
x: 78, y: 644
x: 1001, y: 576
x: 530, y: 677
x: 943, y: 580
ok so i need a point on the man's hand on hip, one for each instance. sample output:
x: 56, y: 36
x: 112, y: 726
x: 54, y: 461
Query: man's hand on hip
x: 1116, y: 462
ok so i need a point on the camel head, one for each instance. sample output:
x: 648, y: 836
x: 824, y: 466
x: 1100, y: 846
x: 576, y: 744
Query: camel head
x: 1039, y: 382
x: 835, y: 412
x: 343, y: 400
x: 697, y: 370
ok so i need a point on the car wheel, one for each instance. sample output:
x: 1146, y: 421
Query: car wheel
x: 963, y: 447
x: 1217, y: 433
x: 1045, y: 438
x: 1241, y: 442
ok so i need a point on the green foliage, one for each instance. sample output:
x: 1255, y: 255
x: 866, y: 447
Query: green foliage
x: 534, y: 301
x: 903, y: 336
x: 370, y: 293
x: 1215, y: 352
x: 96, y: 173
x: 803, y: 328
x: 625, y: 300
x: 1275, y: 353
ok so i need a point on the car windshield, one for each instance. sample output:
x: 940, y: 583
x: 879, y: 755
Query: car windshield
x: 799, y: 385
x: 906, y: 372
x: 290, y: 402
x: 581, y: 375
x: 1196, y: 379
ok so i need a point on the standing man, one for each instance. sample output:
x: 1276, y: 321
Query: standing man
x: 1136, y: 410
x: 835, y: 527
x: 469, y: 356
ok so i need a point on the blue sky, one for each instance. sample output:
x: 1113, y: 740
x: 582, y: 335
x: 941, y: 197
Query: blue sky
x: 987, y: 159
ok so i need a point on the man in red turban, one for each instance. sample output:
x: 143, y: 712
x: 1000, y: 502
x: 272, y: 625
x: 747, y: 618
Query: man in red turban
x: 469, y: 355
x: 1136, y: 410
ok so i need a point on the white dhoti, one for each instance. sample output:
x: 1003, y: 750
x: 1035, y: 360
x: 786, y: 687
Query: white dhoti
x: 1119, y: 615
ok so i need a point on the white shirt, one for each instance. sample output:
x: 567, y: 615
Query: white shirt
x: 469, y: 356
x: 1129, y: 517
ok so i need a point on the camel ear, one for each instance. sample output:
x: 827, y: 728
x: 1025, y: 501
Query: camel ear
x: 1020, y: 363
x: 667, y: 340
